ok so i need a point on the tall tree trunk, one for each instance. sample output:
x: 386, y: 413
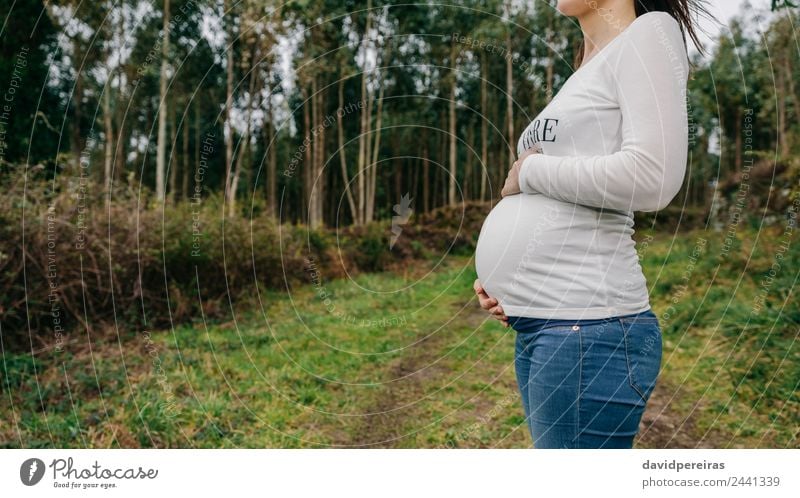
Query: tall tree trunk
x: 426, y: 179
x: 360, y: 172
x: 790, y: 90
x: 398, y: 178
x: 77, y: 110
x: 108, y: 131
x: 550, y: 69
x: 313, y: 190
x: 368, y: 158
x: 197, y: 188
x: 509, y: 100
x: 451, y: 190
x: 120, y: 151
x: 173, y: 164
x: 121, y: 144
x: 244, y: 150
x: 228, y: 134
x: 468, y: 173
x: 162, y: 110
x: 309, y: 164
x: 415, y: 178
x: 484, y: 127
x: 787, y: 64
x: 342, y: 157
x: 737, y: 165
x: 435, y: 190
x: 366, y: 121
x: 321, y: 175
x: 272, y: 162
x: 783, y: 126
x: 185, y: 157
x: 318, y: 145
x: 373, y: 168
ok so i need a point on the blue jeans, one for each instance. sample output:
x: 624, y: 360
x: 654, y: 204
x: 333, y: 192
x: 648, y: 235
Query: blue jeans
x: 585, y: 383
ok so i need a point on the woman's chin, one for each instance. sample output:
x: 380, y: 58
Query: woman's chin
x: 572, y: 8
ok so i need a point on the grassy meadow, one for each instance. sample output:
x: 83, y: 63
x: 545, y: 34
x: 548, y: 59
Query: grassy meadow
x: 407, y: 359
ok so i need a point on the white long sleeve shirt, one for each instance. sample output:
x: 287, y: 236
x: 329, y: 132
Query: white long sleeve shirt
x: 613, y: 141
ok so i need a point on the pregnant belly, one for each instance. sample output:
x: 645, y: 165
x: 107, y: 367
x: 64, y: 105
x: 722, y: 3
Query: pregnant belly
x: 536, y: 252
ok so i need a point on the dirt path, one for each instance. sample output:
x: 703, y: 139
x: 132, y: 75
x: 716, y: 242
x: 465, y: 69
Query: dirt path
x: 398, y: 409
x: 393, y: 411
x: 664, y: 427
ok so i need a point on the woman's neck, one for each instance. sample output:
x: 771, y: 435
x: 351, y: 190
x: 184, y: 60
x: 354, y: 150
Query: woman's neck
x: 601, y: 25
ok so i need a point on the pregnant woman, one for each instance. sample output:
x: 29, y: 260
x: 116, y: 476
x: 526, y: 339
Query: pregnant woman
x: 556, y: 259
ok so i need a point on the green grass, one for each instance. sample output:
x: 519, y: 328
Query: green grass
x: 731, y: 348
x: 409, y: 361
x: 304, y: 373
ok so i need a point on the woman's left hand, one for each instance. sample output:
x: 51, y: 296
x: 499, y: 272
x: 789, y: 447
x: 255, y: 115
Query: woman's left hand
x: 511, y: 186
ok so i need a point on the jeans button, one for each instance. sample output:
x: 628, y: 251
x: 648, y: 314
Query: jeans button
x: 576, y: 327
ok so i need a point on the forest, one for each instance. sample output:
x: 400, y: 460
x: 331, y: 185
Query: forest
x: 328, y: 112
x: 195, y: 165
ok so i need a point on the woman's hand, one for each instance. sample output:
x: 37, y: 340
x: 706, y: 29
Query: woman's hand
x: 490, y: 304
x: 511, y: 186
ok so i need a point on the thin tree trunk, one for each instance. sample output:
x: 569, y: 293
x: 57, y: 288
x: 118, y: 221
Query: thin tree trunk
x: 509, y: 99
x: 77, y: 111
x: 109, y: 136
x: 173, y: 164
x: 468, y: 173
x: 256, y: 102
x: 368, y: 159
x: 398, y: 178
x: 550, y: 69
x: 272, y: 162
x: 342, y: 158
x: 451, y: 190
x: 162, y: 110
x: 313, y: 198
x: 185, y: 157
x: 360, y: 173
x: 366, y: 122
x: 244, y: 150
x: 783, y: 126
x: 375, y: 151
x: 228, y: 100
x: 120, y: 148
x: 415, y: 178
x: 308, y: 158
x: 484, y: 127
x: 441, y: 177
x: 435, y: 187
x: 738, y: 152
x: 787, y: 67
x: 319, y: 156
x: 323, y: 177
x: 792, y: 89
x: 426, y: 180
x: 363, y: 152
x: 197, y: 188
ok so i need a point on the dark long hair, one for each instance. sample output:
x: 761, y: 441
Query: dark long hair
x: 684, y: 11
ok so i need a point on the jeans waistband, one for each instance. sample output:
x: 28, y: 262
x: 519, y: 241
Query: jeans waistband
x: 528, y: 324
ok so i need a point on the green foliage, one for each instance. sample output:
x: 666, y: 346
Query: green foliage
x: 285, y: 377
x: 130, y: 266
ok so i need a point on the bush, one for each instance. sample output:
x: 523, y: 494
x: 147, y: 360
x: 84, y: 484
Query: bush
x: 82, y: 263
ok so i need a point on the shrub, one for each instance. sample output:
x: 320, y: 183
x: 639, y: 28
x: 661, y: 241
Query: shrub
x: 82, y: 263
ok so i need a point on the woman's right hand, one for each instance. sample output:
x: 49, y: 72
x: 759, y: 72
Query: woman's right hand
x: 490, y: 304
